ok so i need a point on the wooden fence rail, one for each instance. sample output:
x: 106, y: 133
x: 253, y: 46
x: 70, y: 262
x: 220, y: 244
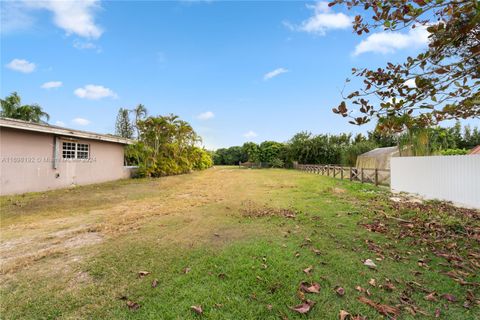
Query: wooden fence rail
x: 376, y: 176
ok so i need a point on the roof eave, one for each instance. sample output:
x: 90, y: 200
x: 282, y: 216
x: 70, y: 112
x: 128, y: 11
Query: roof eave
x: 55, y: 130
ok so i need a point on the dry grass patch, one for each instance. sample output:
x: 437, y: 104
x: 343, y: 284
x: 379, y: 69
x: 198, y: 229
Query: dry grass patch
x: 252, y: 210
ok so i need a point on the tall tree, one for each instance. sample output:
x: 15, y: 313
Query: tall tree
x: 123, y: 126
x: 140, y: 112
x: 167, y: 145
x: 438, y: 84
x: 252, y: 150
x: 12, y: 108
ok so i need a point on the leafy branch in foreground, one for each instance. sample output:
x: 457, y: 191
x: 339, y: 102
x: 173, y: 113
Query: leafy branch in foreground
x: 439, y: 84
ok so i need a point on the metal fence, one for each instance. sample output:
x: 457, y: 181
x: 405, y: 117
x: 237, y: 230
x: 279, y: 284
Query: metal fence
x: 363, y: 175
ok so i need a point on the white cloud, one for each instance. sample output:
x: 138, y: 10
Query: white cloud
x: 94, y: 92
x: 206, y: 115
x: 250, y: 134
x: 13, y: 17
x: 389, y: 42
x: 322, y: 20
x: 60, y: 123
x: 21, y: 65
x: 86, y: 45
x: 75, y: 17
x: 51, y: 84
x: 274, y: 73
x: 410, y: 83
x: 81, y: 121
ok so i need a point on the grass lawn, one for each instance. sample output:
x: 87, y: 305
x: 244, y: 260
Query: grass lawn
x: 238, y: 243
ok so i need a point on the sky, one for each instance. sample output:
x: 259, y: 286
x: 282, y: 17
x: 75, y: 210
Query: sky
x: 237, y: 71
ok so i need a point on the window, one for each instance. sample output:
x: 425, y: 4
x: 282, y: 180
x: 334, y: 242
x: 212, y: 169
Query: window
x: 73, y: 150
x: 68, y: 151
x: 82, y: 151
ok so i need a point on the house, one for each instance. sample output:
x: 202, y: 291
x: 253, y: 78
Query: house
x: 39, y: 157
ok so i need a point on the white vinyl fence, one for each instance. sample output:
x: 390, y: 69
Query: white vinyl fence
x: 451, y: 178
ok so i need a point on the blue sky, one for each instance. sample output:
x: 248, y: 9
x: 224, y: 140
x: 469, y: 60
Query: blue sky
x: 237, y: 71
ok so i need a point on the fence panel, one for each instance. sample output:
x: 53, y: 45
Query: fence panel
x: 376, y: 176
x: 451, y: 178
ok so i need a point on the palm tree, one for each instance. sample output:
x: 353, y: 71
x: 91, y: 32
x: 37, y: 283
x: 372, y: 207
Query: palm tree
x: 140, y: 112
x: 12, y: 108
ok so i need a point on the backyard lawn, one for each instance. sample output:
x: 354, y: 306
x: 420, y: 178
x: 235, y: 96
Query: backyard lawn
x: 236, y: 244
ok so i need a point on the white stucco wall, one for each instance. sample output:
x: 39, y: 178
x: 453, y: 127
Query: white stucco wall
x: 451, y: 178
x: 26, y: 163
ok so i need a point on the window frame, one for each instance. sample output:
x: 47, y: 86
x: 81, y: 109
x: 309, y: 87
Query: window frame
x: 70, y: 153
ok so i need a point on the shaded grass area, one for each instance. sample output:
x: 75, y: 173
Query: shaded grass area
x: 241, y: 266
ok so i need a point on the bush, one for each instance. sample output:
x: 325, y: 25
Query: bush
x: 277, y: 163
x: 166, y: 147
x: 453, y: 152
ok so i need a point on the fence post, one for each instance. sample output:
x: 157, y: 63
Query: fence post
x: 376, y: 176
x: 351, y: 173
x: 328, y: 171
x: 362, y: 175
x: 341, y: 173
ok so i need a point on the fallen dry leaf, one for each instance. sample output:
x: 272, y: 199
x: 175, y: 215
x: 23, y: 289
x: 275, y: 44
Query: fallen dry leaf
x: 132, y: 305
x: 383, y: 309
x: 372, y: 282
x: 389, y: 286
x: 449, y: 297
x: 340, y: 291
x: 316, y: 251
x: 304, y: 307
x: 369, y: 263
x: 142, y: 274
x: 359, y: 289
x: 186, y: 270
x: 301, y: 295
x: 343, y: 315
x: 197, y: 309
x: 154, y: 283
x: 431, y: 297
x: 310, y: 287
x: 437, y: 313
x: 308, y: 270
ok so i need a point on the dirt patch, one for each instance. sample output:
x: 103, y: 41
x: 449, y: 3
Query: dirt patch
x: 252, y: 210
x: 58, y: 223
x: 22, y: 252
x: 338, y: 190
x: 80, y: 279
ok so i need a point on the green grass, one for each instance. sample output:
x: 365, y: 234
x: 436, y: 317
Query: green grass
x: 240, y: 267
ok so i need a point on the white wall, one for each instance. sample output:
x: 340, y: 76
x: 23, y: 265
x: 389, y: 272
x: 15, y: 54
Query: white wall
x: 451, y: 178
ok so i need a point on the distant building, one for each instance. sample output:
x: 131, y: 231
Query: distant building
x: 39, y: 157
x: 378, y: 158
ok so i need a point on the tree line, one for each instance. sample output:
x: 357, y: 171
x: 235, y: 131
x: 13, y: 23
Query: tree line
x: 344, y: 148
